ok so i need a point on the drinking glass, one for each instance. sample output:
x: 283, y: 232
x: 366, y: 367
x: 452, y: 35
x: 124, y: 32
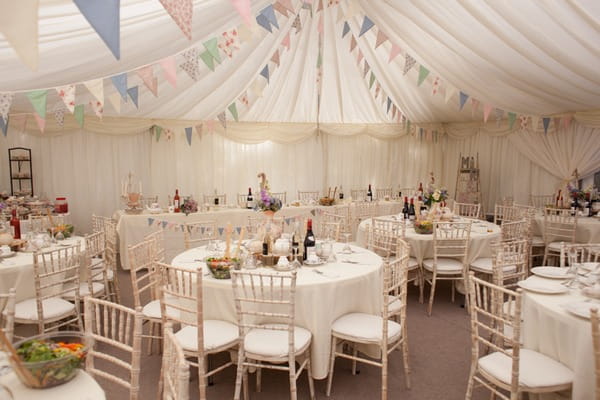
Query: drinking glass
x: 295, y: 264
x: 347, y: 249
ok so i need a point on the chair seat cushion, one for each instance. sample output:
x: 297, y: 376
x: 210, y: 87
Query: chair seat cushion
x: 484, y: 265
x: 537, y: 241
x: 274, y: 343
x: 395, y: 305
x: 535, y: 369
x: 98, y: 276
x: 97, y: 262
x: 152, y: 310
x: 216, y: 334
x: 84, y: 290
x: 412, y: 263
x: 52, y: 308
x: 555, y: 246
x: 361, y: 327
x: 444, y: 265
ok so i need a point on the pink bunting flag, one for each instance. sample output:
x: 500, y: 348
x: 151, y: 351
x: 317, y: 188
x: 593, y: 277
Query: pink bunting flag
x: 286, y: 41
x: 320, y: 7
x: 181, y: 11
x: 394, y: 52
x: 67, y: 95
x: 147, y: 75
x: 275, y: 57
x: 381, y: 38
x: 360, y: 56
x: 199, y: 130
x: 487, y: 109
x: 556, y: 123
x: 435, y: 86
x: 474, y: 106
x: 567, y: 121
x: 287, y: 4
x: 320, y: 25
x: 352, y: 44
x: 210, y: 125
x: 280, y: 8
x: 243, y: 8
x: 5, y: 102
x: 169, y: 69
x: 97, y: 107
x: 41, y: 122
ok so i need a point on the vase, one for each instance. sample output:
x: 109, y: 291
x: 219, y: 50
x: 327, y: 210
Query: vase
x: 269, y: 213
x: 435, y: 211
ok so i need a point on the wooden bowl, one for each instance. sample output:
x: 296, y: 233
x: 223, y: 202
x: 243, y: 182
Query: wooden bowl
x: 326, y: 201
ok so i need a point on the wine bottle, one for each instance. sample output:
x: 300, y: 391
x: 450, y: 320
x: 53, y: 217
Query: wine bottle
x: 15, y: 225
x: 420, y: 188
x: 405, y: 209
x: 586, y: 206
x: 250, y: 199
x: 176, y: 201
x: 341, y: 193
x: 296, y: 243
x: 216, y: 198
x: 309, y: 241
x: 369, y: 194
x: 411, y: 210
x: 266, y: 242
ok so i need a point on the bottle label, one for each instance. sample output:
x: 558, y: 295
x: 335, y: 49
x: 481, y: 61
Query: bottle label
x: 311, y: 252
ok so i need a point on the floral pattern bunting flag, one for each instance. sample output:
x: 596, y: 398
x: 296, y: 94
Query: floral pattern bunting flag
x: 67, y: 95
x: 191, y: 65
x: 59, y: 114
x: 436, y: 86
x: 229, y: 42
x: 181, y: 11
x: 4, y: 126
x: 5, y: 102
x: 244, y: 99
x: 499, y: 116
x: 408, y: 63
x: 297, y: 24
x: 523, y: 121
x: 97, y: 107
x: 222, y: 119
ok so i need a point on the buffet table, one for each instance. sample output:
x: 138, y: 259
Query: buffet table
x: 587, y: 231
x: 421, y: 246
x: 132, y: 228
x: 323, y: 294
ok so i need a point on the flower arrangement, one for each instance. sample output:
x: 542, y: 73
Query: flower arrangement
x: 433, y: 194
x: 266, y: 202
x: 65, y: 229
x: 189, y: 206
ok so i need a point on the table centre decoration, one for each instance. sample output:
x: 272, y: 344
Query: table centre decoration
x: 266, y: 202
x: 189, y: 206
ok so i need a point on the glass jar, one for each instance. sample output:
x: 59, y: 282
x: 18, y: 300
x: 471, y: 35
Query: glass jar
x: 61, y: 206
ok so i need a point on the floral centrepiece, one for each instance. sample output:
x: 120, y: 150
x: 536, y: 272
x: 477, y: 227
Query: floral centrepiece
x: 189, y: 206
x: 266, y: 202
x: 65, y: 229
x: 434, y: 194
x: 578, y: 194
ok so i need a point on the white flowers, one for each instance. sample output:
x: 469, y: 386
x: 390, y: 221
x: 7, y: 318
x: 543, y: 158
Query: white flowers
x: 436, y: 195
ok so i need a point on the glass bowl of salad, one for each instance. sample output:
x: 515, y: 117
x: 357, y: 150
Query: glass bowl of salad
x: 50, y: 359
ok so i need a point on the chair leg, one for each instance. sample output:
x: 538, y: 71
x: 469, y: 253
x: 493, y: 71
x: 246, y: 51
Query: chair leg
x: 245, y: 385
x: 258, y: 378
x: 292, y: 372
x: 405, y: 357
x: 311, y: 383
x: 431, y: 294
x: 545, y: 256
x: 384, y: 375
x: 202, y: 377
x: 331, y: 365
x: 453, y: 291
x: 421, y: 279
x: 238, y: 377
x: 354, y: 354
x: 149, y: 343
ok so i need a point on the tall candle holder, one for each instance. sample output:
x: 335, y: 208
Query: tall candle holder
x: 131, y: 195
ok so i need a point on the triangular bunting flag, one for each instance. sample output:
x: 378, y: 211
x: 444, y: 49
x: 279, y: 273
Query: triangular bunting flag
x: 435, y: 86
x: 511, y: 119
x: 19, y: 25
x: 133, y: 93
x: 212, y: 47
x: 463, y: 100
x: 352, y: 43
x: 164, y: 224
x: 208, y: 60
x: 263, y: 21
x: 346, y: 29
x: 265, y: 73
x: 169, y: 134
x: 41, y: 122
x: 269, y: 12
x: 78, y: 113
x: 158, y: 131
x: 474, y: 106
x: 389, y: 104
x: 371, y: 80
x: 286, y: 41
x: 115, y: 100
x: 4, y: 126
x: 5, y: 102
x: 244, y: 99
x: 147, y: 75
x: 280, y: 8
x: 340, y: 15
x: 320, y: 6
x: 449, y: 93
x: 170, y: 70
x: 104, y: 17
x: 366, y: 25
x: 523, y: 119
x: 222, y: 119
x: 297, y: 24
x: 199, y: 130
x: 150, y: 221
x: 67, y: 95
x: 188, y: 135
x: 210, y: 125
x: 408, y: 63
x: 275, y: 57
x: 535, y: 121
x: 394, y: 52
x: 423, y: 72
x: 287, y: 4
x: 18, y: 122
x: 487, y: 109
x: 567, y: 121
x: 320, y: 25
x: 359, y: 57
x: 191, y: 65
x: 96, y: 88
x: 233, y: 110
x: 181, y: 11
x: 238, y: 229
x: 556, y: 123
x: 120, y: 82
x: 243, y: 8
x: 59, y: 115
x: 221, y: 230
x: 97, y: 107
x: 546, y: 124
x: 38, y: 100
x: 499, y: 116
x: 381, y: 38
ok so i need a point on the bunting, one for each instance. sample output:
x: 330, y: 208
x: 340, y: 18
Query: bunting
x: 394, y: 52
x: 170, y: 70
x: 133, y: 93
x: 4, y: 126
x: 67, y: 95
x: 381, y: 38
x: 78, y: 113
x: 233, y: 110
x: 96, y: 88
x: 104, y: 17
x: 41, y: 122
x: 150, y: 81
x: 97, y: 107
x: 367, y: 24
x: 409, y: 62
x: 5, y: 102
x: 182, y: 12
x: 487, y: 109
x: 222, y: 119
x: 546, y: 124
x: 345, y: 29
x: 463, y: 99
x: 22, y: 35
x: 423, y: 72
x: 120, y: 83
x: 243, y: 8
x: 188, y: 135
x: 265, y: 73
x: 59, y: 115
x: 38, y: 101
x: 115, y: 100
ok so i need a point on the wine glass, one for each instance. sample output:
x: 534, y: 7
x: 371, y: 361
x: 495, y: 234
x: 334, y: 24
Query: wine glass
x: 295, y: 264
x: 347, y: 249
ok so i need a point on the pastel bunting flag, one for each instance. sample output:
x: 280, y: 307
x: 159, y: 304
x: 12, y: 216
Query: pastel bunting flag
x: 381, y: 38
x: 535, y: 121
x: 394, y: 52
x: 499, y: 116
x: 435, y: 86
x: 59, y: 115
x: 512, y: 117
x: 523, y: 119
x: 280, y: 8
x: 244, y: 99
x: 367, y: 24
x: 120, y: 83
x: 67, y: 95
x: 320, y: 25
x: 212, y: 46
x: 229, y: 42
x: 567, y: 121
x: 191, y: 65
x: 263, y: 21
x: 18, y: 122
x: 221, y: 230
x: 150, y: 221
x: 222, y: 119
x: 265, y: 73
x: 352, y: 43
x: 340, y: 15
x: 115, y: 100
x: 320, y: 6
x: 463, y: 99
x: 19, y: 25
x: 371, y: 79
x: 97, y: 107
x: 297, y: 24
x: 275, y: 57
x: 208, y: 60
x: 96, y: 88
x: 147, y: 75
x: 78, y: 113
x: 269, y: 12
x: 243, y: 8
x: 182, y: 12
x: 164, y: 224
x: 41, y: 122
x: 360, y: 57
x: 474, y: 106
x: 233, y: 110
x: 188, y: 135
x: 546, y: 124
x: 287, y: 4
x: 158, y: 131
x: 168, y: 134
x: 556, y: 123
x: 199, y: 130
x: 104, y: 17
x: 450, y: 91
x: 423, y: 72
x: 4, y: 126
x: 38, y: 101
x: 286, y: 41
x: 487, y: 109
x: 389, y: 104
x: 133, y: 93
x: 169, y: 69
x: 409, y: 62
x: 5, y: 102
x: 345, y: 29
x: 366, y: 69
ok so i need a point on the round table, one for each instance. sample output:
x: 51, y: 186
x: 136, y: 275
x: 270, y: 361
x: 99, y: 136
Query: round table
x: 17, y: 271
x: 336, y: 289
x: 552, y: 330
x: 587, y: 230
x: 421, y: 246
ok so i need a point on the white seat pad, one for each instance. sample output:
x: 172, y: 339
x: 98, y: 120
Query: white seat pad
x: 84, y: 290
x: 52, y: 307
x: 270, y: 343
x: 97, y: 262
x: 444, y: 265
x: 364, y: 327
x: 484, y: 264
x: 395, y: 305
x: 537, y: 241
x: 412, y: 263
x: 535, y: 369
x: 216, y: 334
x: 152, y: 310
x: 109, y: 276
x: 555, y: 246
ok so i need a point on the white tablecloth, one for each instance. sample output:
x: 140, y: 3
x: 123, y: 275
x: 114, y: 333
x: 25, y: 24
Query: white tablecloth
x: 133, y: 228
x: 17, y: 271
x: 554, y: 331
x: 421, y: 246
x: 588, y: 229
x: 320, y: 299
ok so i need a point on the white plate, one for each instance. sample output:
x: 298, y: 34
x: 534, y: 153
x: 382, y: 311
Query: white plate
x: 155, y: 210
x: 590, y: 266
x: 314, y: 264
x: 581, y: 308
x: 542, y: 287
x: 552, y: 272
x: 6, y: 255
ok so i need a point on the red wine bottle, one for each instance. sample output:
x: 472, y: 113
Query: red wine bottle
x: 250, y: 199
x: 15, y: 224
x: 369, y: 194
x: 405, y: 209
x: 309, y: 241
x: 176, y: 201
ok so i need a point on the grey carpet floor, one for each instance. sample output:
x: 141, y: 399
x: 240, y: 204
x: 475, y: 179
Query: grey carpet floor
x: 439, y: 349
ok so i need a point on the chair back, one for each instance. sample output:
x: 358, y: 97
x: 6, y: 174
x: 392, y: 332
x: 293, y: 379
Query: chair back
x: 541, y: 201
x: 344, y: 212
x: 381, y: 193
x: 242, y: 199
x: 308, y: 195
x: 408, y: 192
x: 282, y: 196
x: 199, y: 233
x: 56, y: 274
x: 493, y: 309
x: 144, y: 277
x: 41, y: 223
x: 112, y: 245
x: 505, y: 213
x: 364, y: 210
x: 7, y: 316
x: 451, y: 240
x: 467, y: 210
x: 358, y: 194
x: 383, y: 236
x: 215, y: 199
x: 97, y: 271
x: 258, y: 225
x: 175, y: 368
x: 113, y: 326
x: 330, y: 226
x: 595, y: 322
x: 579, y: 253
x: 395, y: 278
x: 158, y: 241
x: 98, y: 222
x: 510, y: 262
x: 559, y: 225
x: 146, y: 201
x: 514, y: 230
